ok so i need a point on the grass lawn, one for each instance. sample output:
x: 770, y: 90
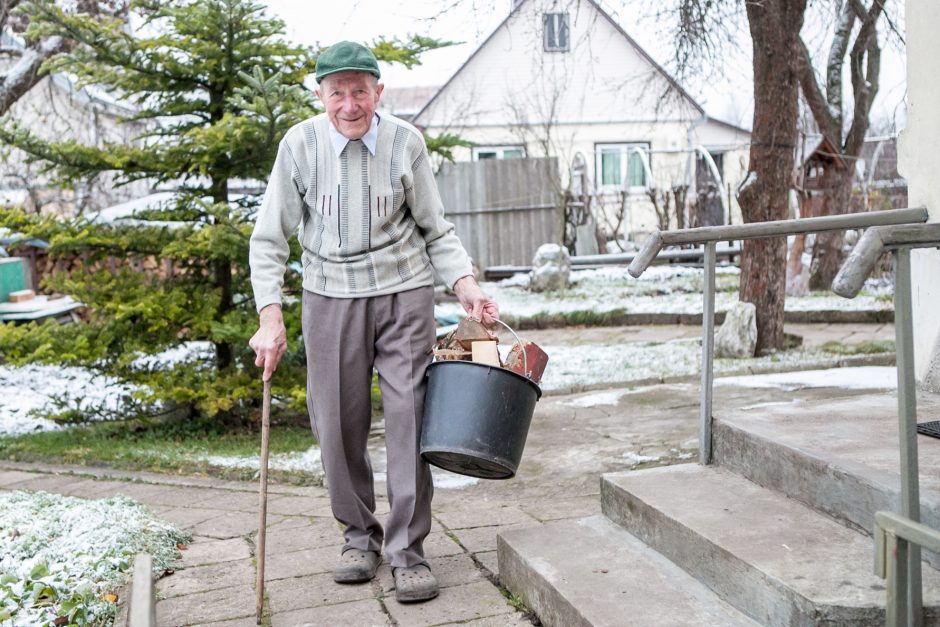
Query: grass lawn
x: 174, y: 447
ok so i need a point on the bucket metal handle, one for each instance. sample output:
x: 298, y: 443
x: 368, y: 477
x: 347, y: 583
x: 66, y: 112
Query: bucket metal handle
x: 525, y: 360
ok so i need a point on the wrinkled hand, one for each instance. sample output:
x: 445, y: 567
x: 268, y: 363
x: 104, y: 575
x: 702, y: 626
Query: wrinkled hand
x: 474, y: 301
x: 270, y: 340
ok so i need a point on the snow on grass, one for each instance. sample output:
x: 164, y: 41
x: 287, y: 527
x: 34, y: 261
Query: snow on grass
x: 187, y: 351
x: 593, y: 364
x: 576, y: 367
x: 309, y: 462
x: 299, y: 461
x: 862, y: 378
x: 661, y: 289
x: 611, y: 288
x: 60, y: 556
x: 34, y: 388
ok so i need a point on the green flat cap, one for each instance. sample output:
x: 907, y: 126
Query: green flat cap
x: 347, y: 56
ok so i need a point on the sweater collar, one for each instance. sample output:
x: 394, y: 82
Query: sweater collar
x: 339, y: 140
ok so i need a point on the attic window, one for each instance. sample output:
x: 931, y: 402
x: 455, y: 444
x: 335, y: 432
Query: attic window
x: 555, y: 33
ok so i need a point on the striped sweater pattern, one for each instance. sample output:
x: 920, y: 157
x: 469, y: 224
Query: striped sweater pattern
x: 368, y: 224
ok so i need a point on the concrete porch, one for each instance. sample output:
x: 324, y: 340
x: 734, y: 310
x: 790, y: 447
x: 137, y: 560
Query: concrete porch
x: 777, y: 532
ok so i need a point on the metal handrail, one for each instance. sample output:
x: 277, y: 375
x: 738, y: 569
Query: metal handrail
x: 709, y: 236
x: 904, y: 591
x: 895, y: 537
x: 774, y: 228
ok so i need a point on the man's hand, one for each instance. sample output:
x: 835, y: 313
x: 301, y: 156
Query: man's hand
x: 474, y: 301
x: 270, y: 340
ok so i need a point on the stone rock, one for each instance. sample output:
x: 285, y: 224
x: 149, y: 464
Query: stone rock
x: 551, y: 268
x: 737, y: 336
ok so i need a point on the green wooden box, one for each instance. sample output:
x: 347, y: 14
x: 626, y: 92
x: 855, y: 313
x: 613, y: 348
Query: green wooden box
x: 12, y: 278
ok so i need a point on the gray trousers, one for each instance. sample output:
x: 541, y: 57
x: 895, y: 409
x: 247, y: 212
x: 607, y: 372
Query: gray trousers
x: 345, y: 338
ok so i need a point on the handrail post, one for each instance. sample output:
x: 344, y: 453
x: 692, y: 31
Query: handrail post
x: 907, y: 426
x: 896, y: 582
x: 708, y: 356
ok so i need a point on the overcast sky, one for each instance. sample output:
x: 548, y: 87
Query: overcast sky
x: 471, y: 21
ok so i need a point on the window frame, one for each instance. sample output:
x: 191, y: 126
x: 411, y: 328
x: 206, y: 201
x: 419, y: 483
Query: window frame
x: 557, y: 19
x: 624, y: 149
x: 499, y: 149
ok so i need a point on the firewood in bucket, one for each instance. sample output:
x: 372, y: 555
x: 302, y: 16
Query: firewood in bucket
x: 458, y: 344
x: 535, y: 358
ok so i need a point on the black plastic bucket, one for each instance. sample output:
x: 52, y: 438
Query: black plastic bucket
x: 476, y: 418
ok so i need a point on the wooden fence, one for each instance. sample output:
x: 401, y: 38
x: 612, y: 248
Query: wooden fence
x: 503, y: 209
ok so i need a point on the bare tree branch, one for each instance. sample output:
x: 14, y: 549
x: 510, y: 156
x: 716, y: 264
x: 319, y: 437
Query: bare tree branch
x: 815, y: 98
x: 865, y: 65
x: 840, y: 44
x: 28, y: 71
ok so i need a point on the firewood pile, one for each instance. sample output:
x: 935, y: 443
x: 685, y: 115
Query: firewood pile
x: 43, y: 265
x: 471, y: 341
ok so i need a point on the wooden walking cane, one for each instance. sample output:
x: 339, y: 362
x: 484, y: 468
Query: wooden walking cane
x: 263, y: 509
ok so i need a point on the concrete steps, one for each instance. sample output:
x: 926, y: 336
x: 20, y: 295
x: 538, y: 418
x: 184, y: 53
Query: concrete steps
x: 778, y: 529
x: 840, y: 459
x: 593, y: 572
x: 774, y: 558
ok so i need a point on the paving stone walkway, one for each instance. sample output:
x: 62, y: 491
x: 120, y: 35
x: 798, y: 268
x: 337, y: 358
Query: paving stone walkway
x: 572, y: 441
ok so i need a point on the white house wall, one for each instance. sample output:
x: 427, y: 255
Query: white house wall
x: 604, y: 90
x: 53, y: 110
x: 918, y: 162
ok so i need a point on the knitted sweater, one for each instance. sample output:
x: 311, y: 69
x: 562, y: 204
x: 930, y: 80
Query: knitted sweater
x: 369, y: 224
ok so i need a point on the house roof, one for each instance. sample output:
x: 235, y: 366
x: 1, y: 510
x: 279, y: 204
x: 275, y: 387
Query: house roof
x: 406, y: 101
x: 517, y: 5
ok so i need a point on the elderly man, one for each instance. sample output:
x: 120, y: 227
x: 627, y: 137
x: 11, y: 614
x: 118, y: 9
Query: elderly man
x: 360, y: 187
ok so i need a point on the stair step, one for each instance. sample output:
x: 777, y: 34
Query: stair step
x: 773, y: 558
x: 840, y: 456
x: 592, y: 572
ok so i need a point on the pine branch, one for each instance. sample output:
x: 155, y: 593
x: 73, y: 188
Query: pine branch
x: 407, y: 52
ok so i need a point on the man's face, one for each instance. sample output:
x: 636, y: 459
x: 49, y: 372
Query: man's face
x: 350, y: 99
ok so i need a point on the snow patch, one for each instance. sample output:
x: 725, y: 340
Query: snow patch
x: 446, y: 480
x: 862, y: 378
x: 442, y: 479
x: 635, y: 458
x: 187, y: 351
x: 600, y: 398
x: 299, y: 461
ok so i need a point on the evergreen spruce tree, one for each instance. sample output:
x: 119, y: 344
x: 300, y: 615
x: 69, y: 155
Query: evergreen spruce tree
x: 218, y: 85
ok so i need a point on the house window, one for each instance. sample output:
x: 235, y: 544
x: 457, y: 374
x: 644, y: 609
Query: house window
x: 555, y: 32
x: 498, y: 152
x: 620, y: 166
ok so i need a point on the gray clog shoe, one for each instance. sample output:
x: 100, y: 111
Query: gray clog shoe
x: 415, y: 583
x: 356, y: 566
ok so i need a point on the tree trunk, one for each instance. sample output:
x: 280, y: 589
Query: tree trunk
x: 775, y: 35
x: 224, y: 353
x: 827, y: 251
